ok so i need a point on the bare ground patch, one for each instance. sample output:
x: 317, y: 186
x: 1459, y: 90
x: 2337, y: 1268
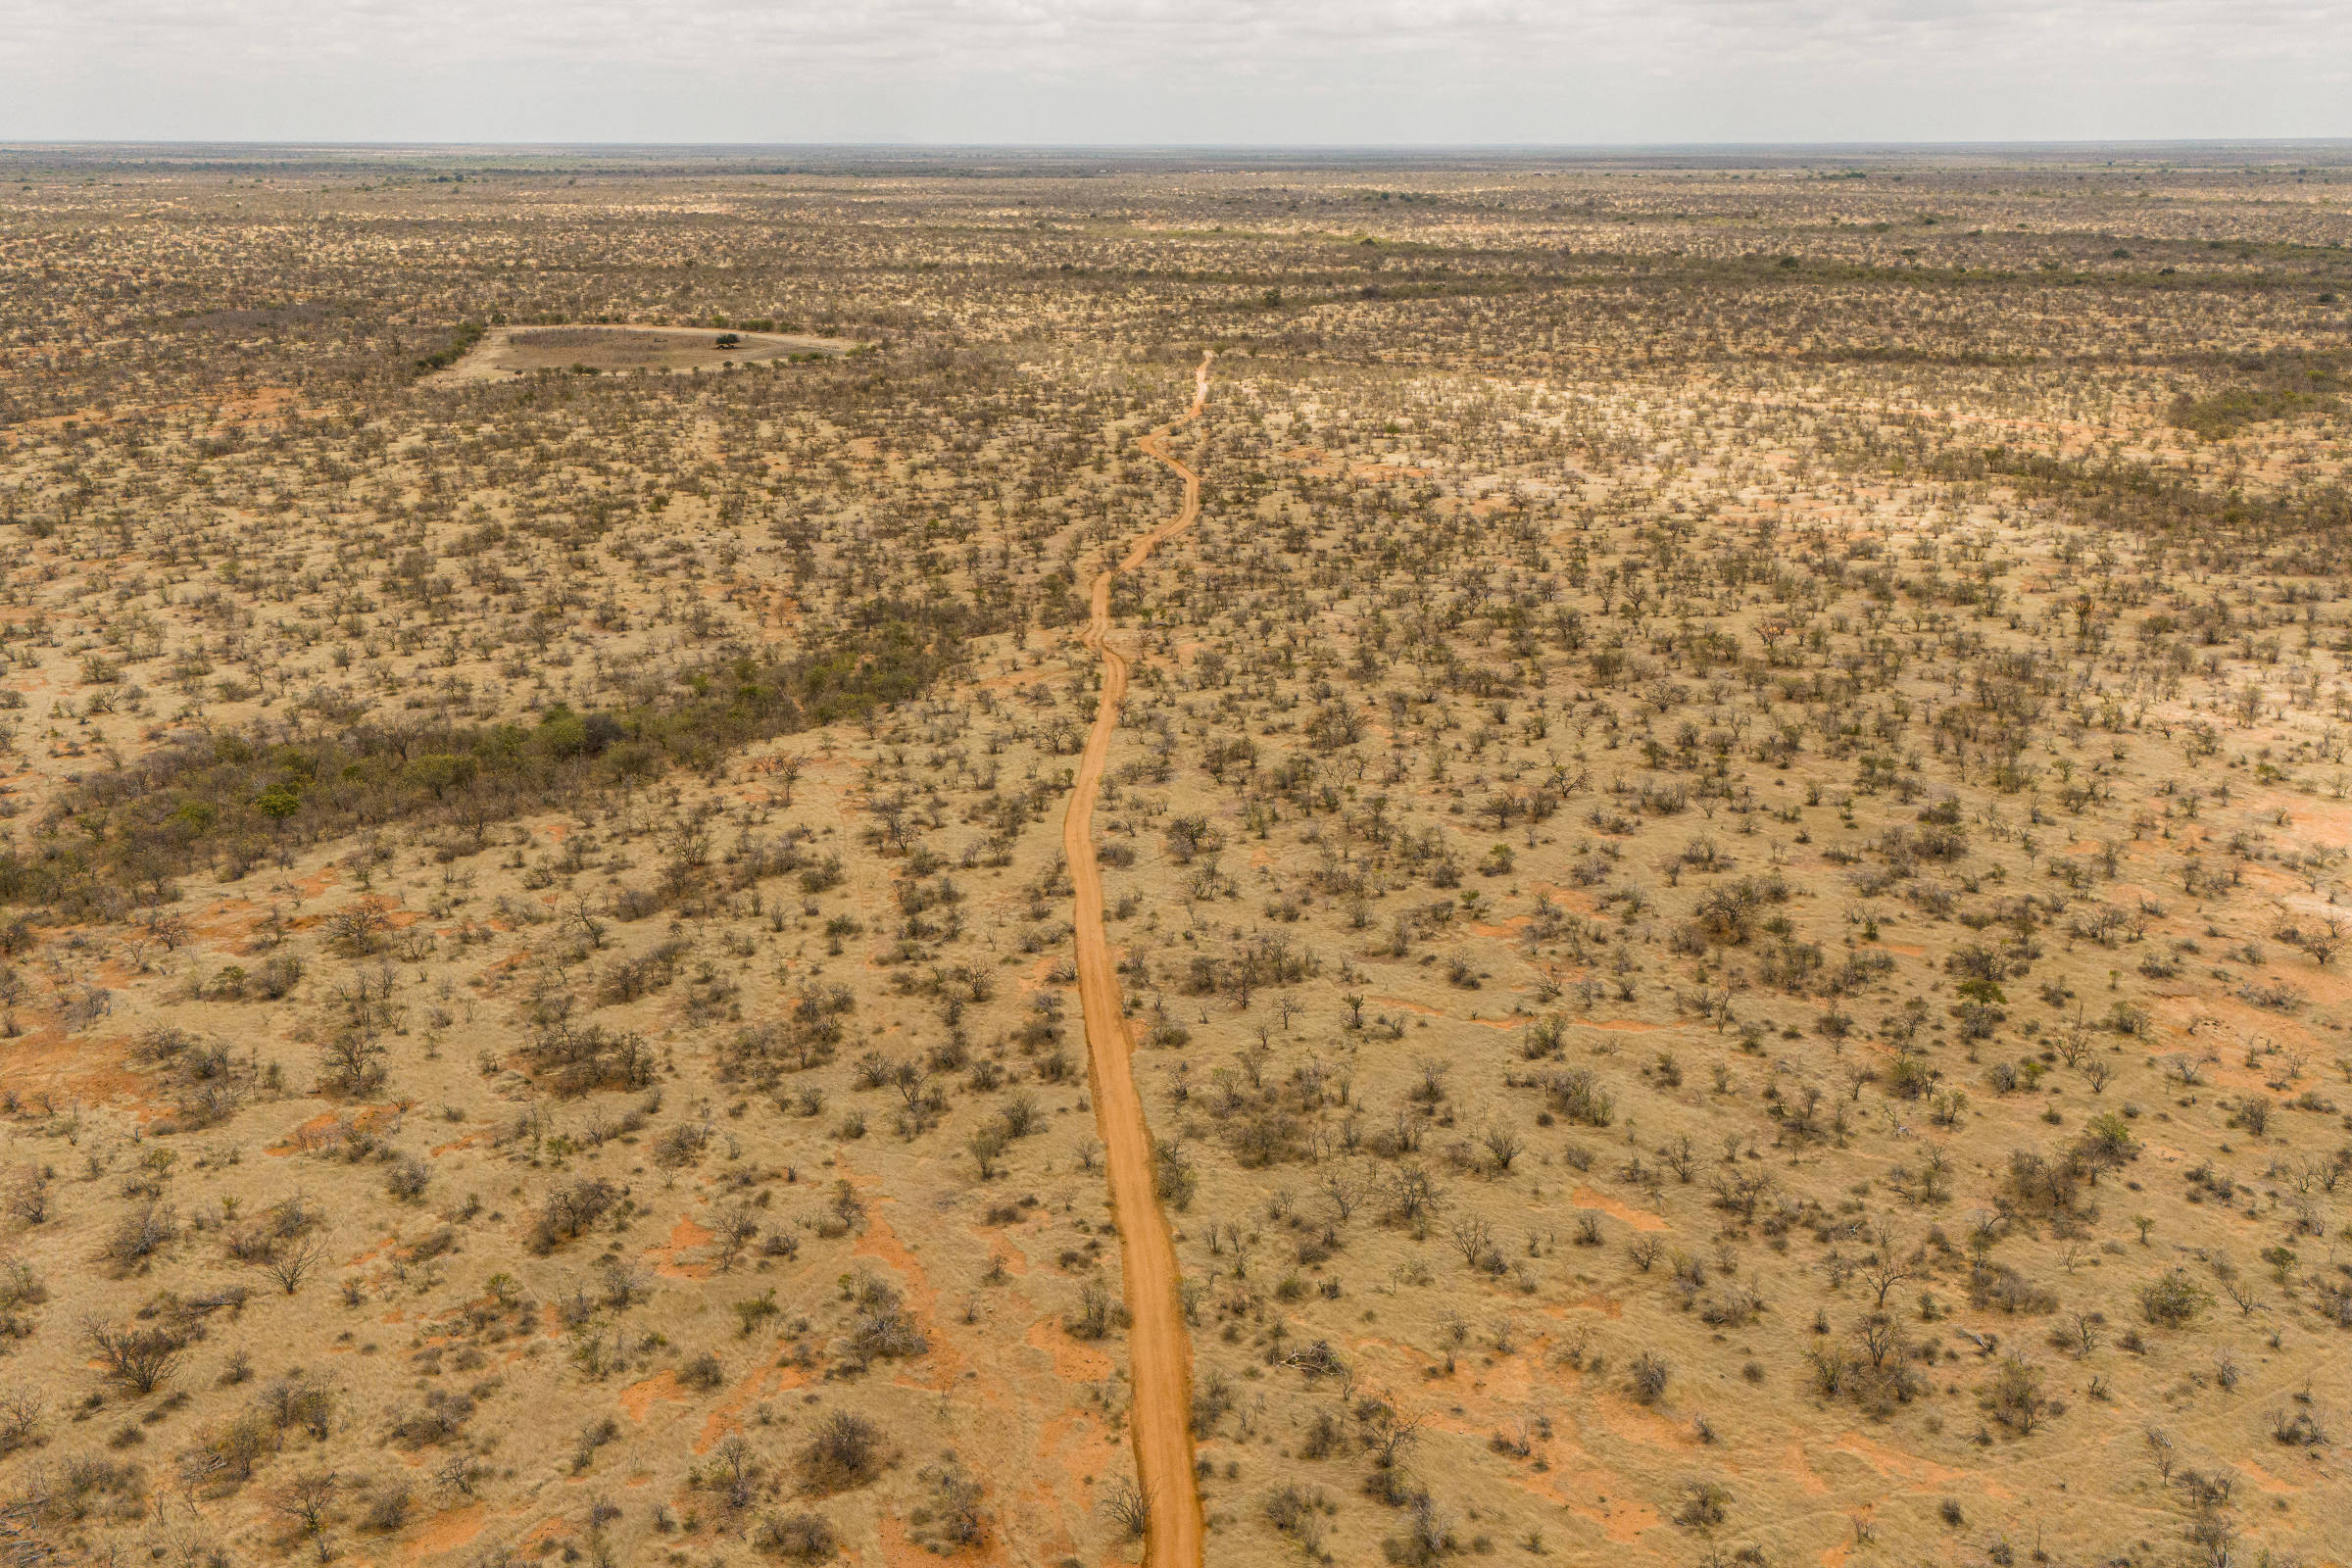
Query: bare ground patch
x: 509, y: 351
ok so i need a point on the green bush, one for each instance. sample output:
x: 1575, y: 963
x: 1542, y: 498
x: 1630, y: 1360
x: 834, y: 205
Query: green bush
x: 225, y: 799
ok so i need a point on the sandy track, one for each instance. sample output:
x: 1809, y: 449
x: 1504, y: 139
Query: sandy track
x: 1160, y: 1354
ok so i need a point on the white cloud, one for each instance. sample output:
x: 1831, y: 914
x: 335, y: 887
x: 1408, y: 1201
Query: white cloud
x: 1214, y: 70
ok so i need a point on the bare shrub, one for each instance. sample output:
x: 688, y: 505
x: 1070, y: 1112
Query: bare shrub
x: 139, y: 1358
x: 844, y: 1451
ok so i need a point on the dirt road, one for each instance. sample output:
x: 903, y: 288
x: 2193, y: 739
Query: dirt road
x: 1160, y: 1354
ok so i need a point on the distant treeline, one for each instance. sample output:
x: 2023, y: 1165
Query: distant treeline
x: 2306, y: 531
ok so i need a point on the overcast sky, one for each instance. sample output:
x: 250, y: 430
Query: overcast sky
x: 1231, y: 72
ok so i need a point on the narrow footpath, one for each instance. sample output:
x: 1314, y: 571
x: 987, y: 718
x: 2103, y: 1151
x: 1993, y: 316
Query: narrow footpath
x: 1160, y: 1350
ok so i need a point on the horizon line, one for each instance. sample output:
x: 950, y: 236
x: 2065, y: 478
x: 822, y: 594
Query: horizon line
x: 27, y: 144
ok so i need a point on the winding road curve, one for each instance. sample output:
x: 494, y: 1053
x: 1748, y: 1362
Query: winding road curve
x: 1160, y: 1354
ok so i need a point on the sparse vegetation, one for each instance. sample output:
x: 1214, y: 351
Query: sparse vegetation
x: 1723, y: 841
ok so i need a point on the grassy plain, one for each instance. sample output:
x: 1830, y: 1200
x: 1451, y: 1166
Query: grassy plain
x: 1722, y: 854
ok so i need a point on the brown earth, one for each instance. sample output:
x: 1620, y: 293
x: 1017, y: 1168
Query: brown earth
x: 1160, y: 1350
x: 1698, y: 828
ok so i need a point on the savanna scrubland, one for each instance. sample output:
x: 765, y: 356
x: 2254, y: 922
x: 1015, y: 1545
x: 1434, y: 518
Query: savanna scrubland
x: 1724, y: 854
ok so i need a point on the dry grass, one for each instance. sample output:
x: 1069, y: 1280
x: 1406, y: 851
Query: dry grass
x: 1723, y: 855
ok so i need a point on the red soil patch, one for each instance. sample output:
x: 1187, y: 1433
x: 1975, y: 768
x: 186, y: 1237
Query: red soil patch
x: 52, y: 1059
x: 684, y: 1237
x: 2264, y: 1481
x: 1894, y: 1464
x: 638, y: 1397
x: 316, y: 1132
x: 760, y: 1382
x: 1073, y: 1362
x: 1634, y: 1423
x: 1508, y: 928
x: 1641, y: 1219
x: 448, y: 1531
x: 882, y: 1242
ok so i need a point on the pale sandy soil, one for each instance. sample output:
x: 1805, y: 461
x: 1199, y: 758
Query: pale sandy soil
x: 511, y: 351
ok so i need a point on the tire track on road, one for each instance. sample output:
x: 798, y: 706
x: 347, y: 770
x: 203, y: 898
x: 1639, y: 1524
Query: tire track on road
x: 1159, y: 1352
